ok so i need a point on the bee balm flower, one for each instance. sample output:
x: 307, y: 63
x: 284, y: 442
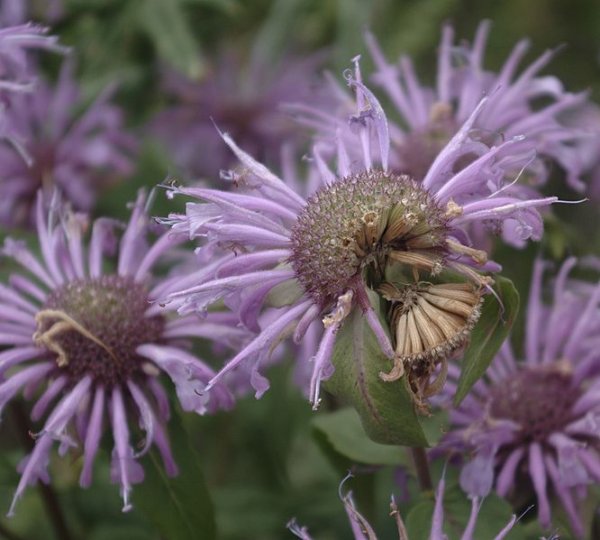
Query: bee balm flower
x: 531, y: 425
x: 98, y: 344
x: 365, y: 231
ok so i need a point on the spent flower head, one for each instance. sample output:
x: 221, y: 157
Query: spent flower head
x: 83, y: 336
x: 365, y: 231
x: 531, y: 425
x: 61, y: 145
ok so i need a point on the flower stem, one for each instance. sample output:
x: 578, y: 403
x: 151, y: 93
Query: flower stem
x: 422, y: 467
x: 53, y: 509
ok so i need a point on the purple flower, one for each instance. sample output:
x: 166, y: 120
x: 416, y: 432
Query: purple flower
x: 362, y: 529
x: 15, y: 41
x: 242, y: 99
x: 60, y: 148
x: 533, y: 424
x: 14, y: 12
x: 316, y: 260
x: 95, y: 345
x: 430, y: 116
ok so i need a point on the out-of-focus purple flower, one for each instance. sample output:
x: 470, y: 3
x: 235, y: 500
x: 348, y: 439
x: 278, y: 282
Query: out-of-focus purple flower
x: 61, y: 147
x: 241, y: 99
x: 533, y: 424
x: 92, y: 346
x: 15, y: 42
x: 362, y: 529
x: 13, y: 12
x: 318, y: 259
x: 520, y: 103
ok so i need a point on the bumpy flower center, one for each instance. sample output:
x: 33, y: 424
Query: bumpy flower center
x: 540, y: 400
x: 359, y: 224
x: 94, y: 326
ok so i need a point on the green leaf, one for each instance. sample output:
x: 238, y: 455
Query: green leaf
x: 167, y: 25
x: 180, y: 507
x: 343, y: 432
x: 488, y: 335
x: 385, y: 408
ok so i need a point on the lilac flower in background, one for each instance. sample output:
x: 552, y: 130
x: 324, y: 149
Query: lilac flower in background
x: 317, y: 260
x: 362, y: 529
x: 430, y: 116
x: 532, y: 424
x: 91, y: 346
x: 242, y: 99
x: 13, y: 12
x: 16, y: 73
x: 61, y: 147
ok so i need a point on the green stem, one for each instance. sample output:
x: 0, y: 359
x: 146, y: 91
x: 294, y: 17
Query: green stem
x: 422, y: 467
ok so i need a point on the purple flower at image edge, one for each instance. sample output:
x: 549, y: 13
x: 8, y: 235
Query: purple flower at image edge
x: 58, y: 147
x: 361, y: 215
x: 532, y: 424
x: 432, y: 115
x: 90, y: 345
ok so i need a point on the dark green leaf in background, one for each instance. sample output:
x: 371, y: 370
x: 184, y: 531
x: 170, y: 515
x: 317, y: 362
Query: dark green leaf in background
x: 180, y: 507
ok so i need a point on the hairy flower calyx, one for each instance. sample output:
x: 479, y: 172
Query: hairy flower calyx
x: 362, y: 223
x: 94, y: 326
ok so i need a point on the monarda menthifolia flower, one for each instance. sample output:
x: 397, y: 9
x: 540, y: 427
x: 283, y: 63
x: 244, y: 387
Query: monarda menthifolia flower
x: 15, y: 69
x: 519, y: 104
x: 531, y: 425
x: 243, y: 98
x: 93, y: 337
x: 365, y: 238
x: 60, y: 147
x: 432, y: 115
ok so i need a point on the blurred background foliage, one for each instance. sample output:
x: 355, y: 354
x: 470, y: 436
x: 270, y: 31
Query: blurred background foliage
x: 270, y: 460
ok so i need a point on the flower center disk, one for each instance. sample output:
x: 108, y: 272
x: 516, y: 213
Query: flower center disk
x: 94, y: 326
x: 358, y: 224
x: 539, y: 399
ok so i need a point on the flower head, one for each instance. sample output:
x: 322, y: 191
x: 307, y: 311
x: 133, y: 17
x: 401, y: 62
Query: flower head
x: 365, y: 230
x: 533, y: 424
x: 60, y: 148
x: 430, y: 116
x: 243, y: 99
x: 93, y: 339
x: 362, y: 529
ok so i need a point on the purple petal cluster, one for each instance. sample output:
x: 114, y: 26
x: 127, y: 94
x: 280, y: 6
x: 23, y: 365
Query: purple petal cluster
x: 243, y: 99
x: 255, y: 228
x: 430, y: 115
x: 531, y: 425
x: 84, y: 338
x: 60, y: 147
x: 16, y: 73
